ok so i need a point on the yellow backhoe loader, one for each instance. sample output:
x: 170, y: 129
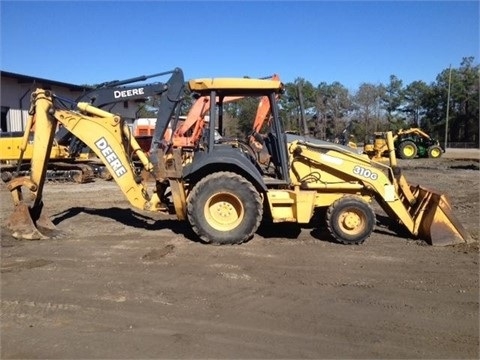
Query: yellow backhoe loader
x: 222, y: 192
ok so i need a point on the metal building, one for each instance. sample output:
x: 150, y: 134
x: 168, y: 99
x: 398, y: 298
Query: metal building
x: 15, y: 90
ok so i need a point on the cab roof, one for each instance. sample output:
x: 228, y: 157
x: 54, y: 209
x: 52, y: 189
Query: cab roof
x: 234, y: 84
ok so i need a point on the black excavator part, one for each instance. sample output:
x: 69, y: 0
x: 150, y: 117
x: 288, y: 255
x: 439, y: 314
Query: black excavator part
x: 56, y: 172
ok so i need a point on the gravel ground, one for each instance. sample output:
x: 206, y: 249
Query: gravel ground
x: 125, y: 284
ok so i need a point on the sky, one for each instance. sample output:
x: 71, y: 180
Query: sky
x: 352, y: 42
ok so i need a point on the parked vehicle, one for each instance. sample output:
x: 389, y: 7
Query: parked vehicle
x: 222, y: 191
x: 408, y: 143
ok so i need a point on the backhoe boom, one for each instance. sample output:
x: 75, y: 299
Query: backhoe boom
x: 103, y: 132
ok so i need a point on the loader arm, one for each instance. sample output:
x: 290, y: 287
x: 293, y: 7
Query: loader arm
x: 416, y: 131
x: 349, y: 168
x: 423, y: 212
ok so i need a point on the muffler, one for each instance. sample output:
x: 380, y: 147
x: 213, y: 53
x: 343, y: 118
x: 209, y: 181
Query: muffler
x: 434, y: 218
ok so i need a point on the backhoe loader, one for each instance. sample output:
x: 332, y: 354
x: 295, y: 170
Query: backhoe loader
x: 222, y: 192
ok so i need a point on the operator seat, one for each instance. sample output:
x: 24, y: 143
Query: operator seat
x: 271, y: 143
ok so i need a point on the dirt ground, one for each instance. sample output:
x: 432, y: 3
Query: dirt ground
x: 125, y: 284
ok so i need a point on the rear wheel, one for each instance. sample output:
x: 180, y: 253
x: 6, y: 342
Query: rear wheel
x: 407, y: 150
x: 224, y: 208
x: 434, y: 151
x: 350, y: 220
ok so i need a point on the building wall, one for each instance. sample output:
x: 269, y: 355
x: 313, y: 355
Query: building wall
x: 15, y: 102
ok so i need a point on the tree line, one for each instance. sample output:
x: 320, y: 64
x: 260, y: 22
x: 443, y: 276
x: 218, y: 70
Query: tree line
x: 331, y: 110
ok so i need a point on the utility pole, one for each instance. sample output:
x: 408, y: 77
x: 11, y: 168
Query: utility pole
x: 302, y: 111
x: 448, y: 106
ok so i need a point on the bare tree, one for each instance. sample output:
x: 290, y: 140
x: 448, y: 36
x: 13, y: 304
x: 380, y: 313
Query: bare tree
x: 367, y: 101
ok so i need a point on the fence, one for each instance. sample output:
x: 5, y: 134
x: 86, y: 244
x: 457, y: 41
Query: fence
x: 463, y: 145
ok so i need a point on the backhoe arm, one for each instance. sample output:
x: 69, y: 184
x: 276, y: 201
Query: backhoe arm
x: 103, y: 132
x: 103, y: 97
x: 110, y: 93
x: 43, y: 139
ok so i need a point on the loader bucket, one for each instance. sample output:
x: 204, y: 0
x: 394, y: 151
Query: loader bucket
x: 29, y: 224
x: 434, y: 217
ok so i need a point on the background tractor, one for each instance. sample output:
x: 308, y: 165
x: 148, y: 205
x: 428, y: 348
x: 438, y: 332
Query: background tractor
x: 408, y: 144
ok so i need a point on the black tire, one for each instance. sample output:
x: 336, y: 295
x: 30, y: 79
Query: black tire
x: 407, y: 150
x: 224, y: 208
x: 350, y: 220
x: 6, y: 176
x: 435, y: 151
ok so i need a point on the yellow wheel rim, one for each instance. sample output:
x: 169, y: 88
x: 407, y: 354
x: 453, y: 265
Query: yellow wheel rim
x: 351, y: 222
x: 434, y: 153
x: 408, y: 151
x: 224, y: 211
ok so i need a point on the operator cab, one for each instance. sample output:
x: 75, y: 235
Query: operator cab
x: 264, y: 146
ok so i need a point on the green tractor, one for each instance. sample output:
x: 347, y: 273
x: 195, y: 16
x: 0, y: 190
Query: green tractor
x: 413, y: 142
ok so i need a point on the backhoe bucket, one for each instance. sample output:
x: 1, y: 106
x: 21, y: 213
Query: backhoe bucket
x: 434, y: 217
x: 29, y: 224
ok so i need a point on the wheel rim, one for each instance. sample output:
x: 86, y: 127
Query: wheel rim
x: 435, y: 153
x: 408, y: 151
x: 352, y: 222
x: 224, y: 211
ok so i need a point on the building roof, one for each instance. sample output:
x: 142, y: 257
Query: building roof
x: 26, y: 79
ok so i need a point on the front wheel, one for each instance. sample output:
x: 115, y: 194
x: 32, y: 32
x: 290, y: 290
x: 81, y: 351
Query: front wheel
x: 434, y: 151
x: 224, y: 208
x: 350, y: 220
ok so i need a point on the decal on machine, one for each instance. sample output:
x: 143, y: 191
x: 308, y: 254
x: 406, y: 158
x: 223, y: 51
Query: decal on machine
x: 366, y: 173
x: 126, y: 93
x: 118, y: 168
